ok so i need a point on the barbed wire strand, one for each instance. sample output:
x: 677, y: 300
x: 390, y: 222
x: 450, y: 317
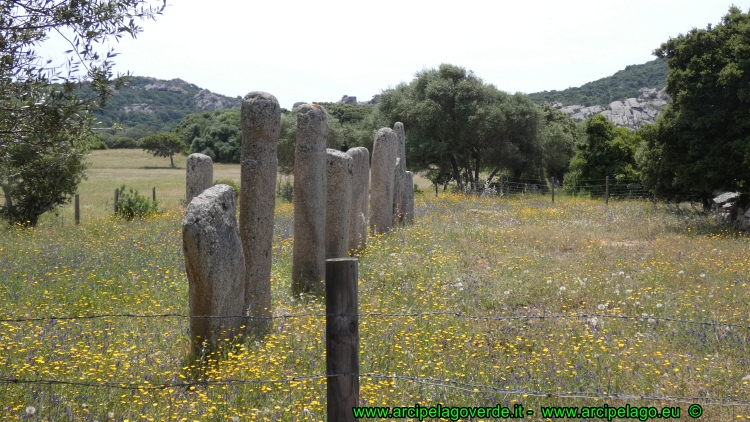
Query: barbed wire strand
x: 459, y: 314
x: 435, y: 382
x: 476, y: 388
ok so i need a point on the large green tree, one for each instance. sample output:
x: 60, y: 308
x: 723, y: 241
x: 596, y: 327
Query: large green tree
x: 605, y: 151
x: 557, y: 139
x: 45, y: 115
x: 457, y: 123
x: 216, y: 134
x: 42, y: 176
x: 701, y: 142
x: 163, y: 145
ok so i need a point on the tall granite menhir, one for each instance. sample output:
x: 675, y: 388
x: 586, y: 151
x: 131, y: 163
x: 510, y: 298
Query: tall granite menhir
x: 338, y: 202
x: 408, y: 197
x: 215, y: 266
x: 384, y: 152
x: 261, y: 126
x: 399, y: 174
x: 308, y: 251
x: 199, y: 175
x: 360, y: 196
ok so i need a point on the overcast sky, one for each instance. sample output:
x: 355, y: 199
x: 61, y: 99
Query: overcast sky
x: 321, y: 50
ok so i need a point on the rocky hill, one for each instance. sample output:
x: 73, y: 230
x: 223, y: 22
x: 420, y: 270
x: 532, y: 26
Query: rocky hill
x: 160, y: 104
x: 630, y: 97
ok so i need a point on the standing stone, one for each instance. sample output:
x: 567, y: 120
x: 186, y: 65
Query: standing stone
x: 408, y: 197
x: 360, y: 188
x: 398, y: 192
x: 308, y: 251
x: 398, y: 181
x: 215, y: 266
x: 338, y: 202
x: 383, y: 168
x: 199, y: 175
x: 261, y: 126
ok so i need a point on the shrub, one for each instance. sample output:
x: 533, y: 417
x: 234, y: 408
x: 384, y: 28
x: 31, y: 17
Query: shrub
x: 231, y: 182
x: 123, y: 142
x: 285, y: 190
x: 132, y: 205
x: 417, y: 190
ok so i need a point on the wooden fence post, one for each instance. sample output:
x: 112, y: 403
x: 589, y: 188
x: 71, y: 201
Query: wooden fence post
x: 606, y: 191
x: 153, y: 194
x: 77, y: 214
x: 342, y: 338
x: 117, y: 198
x: 553, y: 189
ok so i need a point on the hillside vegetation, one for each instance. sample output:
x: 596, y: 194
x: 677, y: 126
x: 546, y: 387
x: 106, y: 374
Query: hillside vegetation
x: 621, y: 85
x: 148, y: 105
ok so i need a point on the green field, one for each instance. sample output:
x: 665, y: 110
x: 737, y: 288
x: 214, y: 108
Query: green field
x: 109, y: 169
x: 465, y: 289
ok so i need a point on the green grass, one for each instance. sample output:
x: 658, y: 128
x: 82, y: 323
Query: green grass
x: 109, y: 169
x: 520, y: 256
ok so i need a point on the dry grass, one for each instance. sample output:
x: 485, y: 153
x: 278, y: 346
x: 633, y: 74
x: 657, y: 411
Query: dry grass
x: 109, y: 169
x: 523, y: 256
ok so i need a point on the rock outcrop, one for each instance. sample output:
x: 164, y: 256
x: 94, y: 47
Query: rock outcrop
x: 732, y: 208
x: 140, y: 108
x: 207, y: 100
x: 630, y: 113
x: 163, y: 87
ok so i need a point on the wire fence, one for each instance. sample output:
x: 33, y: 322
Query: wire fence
x: 458, y: 314
x: 464, y: 387
x: 437, y: 382
x: 607, y: 188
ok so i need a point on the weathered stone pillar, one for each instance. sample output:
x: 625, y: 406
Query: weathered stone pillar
x: 408, y: 197
x: 398, y: 181
x: 383, y: 169
x: 260, y: 120
x: 199, y: 175
x: 338, y: 202
x: 308, y: 251
x: 215, y: 266
x: 360, y: 195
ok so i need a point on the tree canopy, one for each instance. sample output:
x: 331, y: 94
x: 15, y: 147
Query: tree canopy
x: 701, y: 142
x: 163, y: 145
x: 606, y: 150
x: 216, y: 134
x: 457, y: 124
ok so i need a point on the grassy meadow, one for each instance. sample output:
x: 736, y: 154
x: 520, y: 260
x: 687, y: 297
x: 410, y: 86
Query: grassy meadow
x: 512, y: 260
